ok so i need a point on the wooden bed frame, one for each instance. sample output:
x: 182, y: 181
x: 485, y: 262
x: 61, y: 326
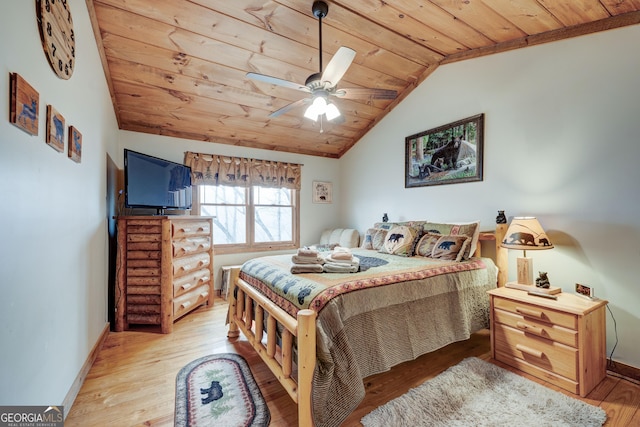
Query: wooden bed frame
x: 279, y: 358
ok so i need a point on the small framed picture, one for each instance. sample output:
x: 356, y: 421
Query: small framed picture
x: 322, y: 192
x: 584, y: 290
x: 75, y: 144
x: 24, y: 104
x: 55, y: 129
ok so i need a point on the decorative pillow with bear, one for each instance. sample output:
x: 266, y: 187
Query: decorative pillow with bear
x: 469, y: 229
x: 374, y: 239
x: 401, y: 240
x: 450, y: 247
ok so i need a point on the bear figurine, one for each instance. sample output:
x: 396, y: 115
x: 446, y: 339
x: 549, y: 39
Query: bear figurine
x: 543, y: 280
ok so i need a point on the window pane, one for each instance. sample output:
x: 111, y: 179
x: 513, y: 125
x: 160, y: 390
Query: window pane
x: 229, y: 224
x: 273, y: 224
x: 220, y: 194
x: 272, y: 196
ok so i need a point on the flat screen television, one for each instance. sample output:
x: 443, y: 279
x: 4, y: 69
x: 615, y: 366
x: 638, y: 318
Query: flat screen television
x: 154, y: 183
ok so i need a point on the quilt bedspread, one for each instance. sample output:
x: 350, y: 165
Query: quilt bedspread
x: 293, y: 292
x: 368, y: 322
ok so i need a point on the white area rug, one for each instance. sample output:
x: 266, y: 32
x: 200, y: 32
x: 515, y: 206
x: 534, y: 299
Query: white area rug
x: 478, y: 393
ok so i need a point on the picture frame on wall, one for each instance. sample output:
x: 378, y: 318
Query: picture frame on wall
x: 24, y: 104
x: 448, y: 154
x: 75, y: 144
x: 322, y: 192
x: 55, y: 129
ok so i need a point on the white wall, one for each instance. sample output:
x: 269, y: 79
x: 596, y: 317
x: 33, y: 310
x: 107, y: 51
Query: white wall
x: 561, y: 143
x: 53, y: 251
x: 314, y: 217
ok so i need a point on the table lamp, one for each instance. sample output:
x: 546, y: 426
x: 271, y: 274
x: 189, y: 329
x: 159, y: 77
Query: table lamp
x: 525, y: 233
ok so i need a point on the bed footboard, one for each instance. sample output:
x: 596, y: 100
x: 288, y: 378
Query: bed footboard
x: 247, y: 314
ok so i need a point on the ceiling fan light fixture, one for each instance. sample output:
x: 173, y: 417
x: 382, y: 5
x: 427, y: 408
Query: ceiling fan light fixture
x: 332, y: 111
x: 316, y: 109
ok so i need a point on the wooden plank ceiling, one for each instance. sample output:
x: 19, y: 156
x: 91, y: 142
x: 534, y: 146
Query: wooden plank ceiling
x: 178, y: 67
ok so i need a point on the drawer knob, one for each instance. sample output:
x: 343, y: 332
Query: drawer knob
x: 186, y: 286
x: 185, y: 304
x: 530, y: 351
x: 203, y: 279
x: 529, y: 328
x: 528, y: 312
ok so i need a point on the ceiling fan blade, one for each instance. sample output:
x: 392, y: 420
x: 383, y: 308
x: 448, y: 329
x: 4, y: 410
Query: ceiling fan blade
x: 290, y: 107
x: 365, y: 93
x: 338, y: 65
x: 276, y: 81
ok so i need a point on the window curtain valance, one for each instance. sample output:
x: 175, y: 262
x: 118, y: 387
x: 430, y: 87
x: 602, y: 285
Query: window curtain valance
x: 212, y: 169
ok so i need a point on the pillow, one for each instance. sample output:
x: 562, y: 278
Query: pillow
x: 426, y: 244
x: 450, y: 247
x: 469, y: 229
x: 374, y: 239
x: 401, y: 240
x: 321, y: 247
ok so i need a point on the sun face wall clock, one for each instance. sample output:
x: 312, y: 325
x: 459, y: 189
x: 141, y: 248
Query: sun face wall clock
x: 56, y: 32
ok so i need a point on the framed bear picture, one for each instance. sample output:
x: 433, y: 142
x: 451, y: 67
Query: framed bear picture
x: 448, y: 154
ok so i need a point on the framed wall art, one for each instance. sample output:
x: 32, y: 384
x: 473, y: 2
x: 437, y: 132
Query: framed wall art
x: 448, y: 154
x: 55, y: 129
x: 75, y: 144
x: 322, y: 192
x: 24, y: 104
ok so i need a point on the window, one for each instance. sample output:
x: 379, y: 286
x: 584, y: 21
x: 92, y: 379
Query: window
x: 251, y: 218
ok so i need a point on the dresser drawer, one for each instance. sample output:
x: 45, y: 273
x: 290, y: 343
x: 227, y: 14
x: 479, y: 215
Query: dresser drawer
x: 191, y: 245
x: 552, y: 356
x: 184, y: 265
x: 191, y: 281
x: 531, y: 311
x: 187, y: 302
x: 186, y: 228
x: 532, y: 326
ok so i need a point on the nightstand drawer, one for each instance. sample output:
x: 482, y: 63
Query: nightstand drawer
x: 535, y: 327
x: 539, y: 313
x: 554, y: 357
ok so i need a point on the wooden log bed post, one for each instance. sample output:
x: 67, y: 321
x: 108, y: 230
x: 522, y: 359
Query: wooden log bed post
x: 247, y: 312
x: 242, y: 318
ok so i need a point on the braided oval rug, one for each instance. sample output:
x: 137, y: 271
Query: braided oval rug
x: 219, y: 390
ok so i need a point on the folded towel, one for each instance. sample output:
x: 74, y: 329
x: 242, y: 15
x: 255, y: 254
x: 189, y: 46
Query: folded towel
x: 334, y: 267
x: 342, y: 266
x: 342, y: 255
x: 298, y: 259
x: 306, y: 268
x: 353, y: 260
x: 310, y: 252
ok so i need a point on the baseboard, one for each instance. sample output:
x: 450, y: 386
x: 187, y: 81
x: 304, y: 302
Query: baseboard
x: 77, y: 384
x: 626, y: 371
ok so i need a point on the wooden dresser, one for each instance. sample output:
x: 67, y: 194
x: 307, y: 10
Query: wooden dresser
x: 164, y: 269
x: 561, y: 341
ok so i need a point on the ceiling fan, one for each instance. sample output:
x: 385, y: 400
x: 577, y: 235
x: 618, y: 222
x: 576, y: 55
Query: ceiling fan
x: 323, y: 84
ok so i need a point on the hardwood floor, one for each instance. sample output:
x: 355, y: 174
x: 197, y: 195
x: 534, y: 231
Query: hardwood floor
x: 132, y: 382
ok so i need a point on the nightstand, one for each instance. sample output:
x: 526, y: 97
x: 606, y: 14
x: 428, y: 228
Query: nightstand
x: 560, y: 341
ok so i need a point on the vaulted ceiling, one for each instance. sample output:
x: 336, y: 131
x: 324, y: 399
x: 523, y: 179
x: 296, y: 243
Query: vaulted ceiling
x: 178, y: 67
